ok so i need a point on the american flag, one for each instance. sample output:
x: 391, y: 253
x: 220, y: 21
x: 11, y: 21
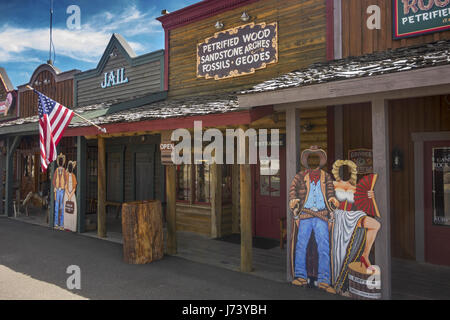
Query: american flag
x: 53, y: 120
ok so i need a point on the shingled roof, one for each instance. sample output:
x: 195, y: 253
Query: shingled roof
x: 391, y: 61
x: 171, y: 108
x: 102, y: 114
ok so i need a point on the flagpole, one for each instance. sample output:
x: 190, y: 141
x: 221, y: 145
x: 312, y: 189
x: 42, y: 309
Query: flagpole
x: 80, y: 116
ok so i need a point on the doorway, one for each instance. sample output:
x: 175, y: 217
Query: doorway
x: 437, y: 202
x: 269, y: 197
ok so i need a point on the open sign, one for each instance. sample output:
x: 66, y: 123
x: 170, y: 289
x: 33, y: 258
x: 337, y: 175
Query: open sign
x: 166, y: 146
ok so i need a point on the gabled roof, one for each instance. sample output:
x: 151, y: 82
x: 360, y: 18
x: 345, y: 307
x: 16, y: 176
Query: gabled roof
x: 117, y: 41
x: 391, y: 61
x: 4, y: 80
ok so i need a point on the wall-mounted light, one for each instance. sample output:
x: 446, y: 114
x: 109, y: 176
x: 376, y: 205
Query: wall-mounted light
x: 397, y: 159
x: 245, y: 17
x: 308, y: 126
x: 218, y: 25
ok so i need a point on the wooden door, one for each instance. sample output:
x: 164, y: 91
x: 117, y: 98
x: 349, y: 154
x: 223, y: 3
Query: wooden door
x: 269, y: 199
x: 437, y: 202
x: 144, y: 175
x: 114, y: 185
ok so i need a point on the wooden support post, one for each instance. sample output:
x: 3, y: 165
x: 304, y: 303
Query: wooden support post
x: 101, y: 202
x: 339, y: 133
x: 216, y: 200
x: 235, y: 199
x: 381, y: 166
x: 82, y: 184
x: 13, y: 143
x: 246, y: 211
x: 171, y: 212
x: 292, y: 167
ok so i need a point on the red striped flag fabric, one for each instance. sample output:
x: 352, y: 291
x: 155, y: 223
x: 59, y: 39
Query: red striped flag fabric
x: 53, y: 121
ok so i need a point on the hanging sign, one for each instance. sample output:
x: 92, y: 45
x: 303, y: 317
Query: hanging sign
x: 418, y: 17
x: 114, y: 78
x: 363, y: 158
x: 238, y: 51
x: 166, y: 148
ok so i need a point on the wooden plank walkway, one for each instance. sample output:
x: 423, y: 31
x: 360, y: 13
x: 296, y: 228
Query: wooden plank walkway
x: 410, y: 280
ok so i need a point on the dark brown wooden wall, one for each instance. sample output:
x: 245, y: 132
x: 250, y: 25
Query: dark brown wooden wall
x: 62, y: 92
x: 357, y: 39
x: 302, y: 41
x: 406, y: 116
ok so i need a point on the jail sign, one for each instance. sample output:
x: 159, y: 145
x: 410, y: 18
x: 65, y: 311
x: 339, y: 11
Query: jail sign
x: 238, y: 51
x: 418, y: 17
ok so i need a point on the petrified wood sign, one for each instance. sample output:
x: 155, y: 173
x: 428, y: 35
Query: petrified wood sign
x: 238, y: 51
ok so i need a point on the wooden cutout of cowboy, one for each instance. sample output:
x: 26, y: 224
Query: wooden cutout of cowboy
x: 310, y: 196
x: 59, y: 185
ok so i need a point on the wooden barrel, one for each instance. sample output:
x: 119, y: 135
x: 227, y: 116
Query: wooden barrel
x: 364, y: 284
x: 142, y: 230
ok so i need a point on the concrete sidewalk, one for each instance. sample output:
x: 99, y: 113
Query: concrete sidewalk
x: 17, y: 286
x: 44, y: 255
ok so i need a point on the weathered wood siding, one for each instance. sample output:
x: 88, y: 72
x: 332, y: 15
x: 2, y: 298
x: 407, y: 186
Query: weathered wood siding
x: 302, y: 41
x: 227, y: 216
x: 194, y: 218
x: 143, y: 78
x: 357, y: 39
x: 61, y: 92
x: 405, y: 117
x: 130, y: 146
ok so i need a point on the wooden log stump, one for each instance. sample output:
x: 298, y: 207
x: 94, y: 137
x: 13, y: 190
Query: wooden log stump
x: 362, y: 284
x: 142, y: 230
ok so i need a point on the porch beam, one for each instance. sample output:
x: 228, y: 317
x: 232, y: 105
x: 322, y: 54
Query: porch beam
x: 246, y: 211
x: 13, y: 143
x: 101, y: 189
x: 425, y: 82
x: 82, y: 183
x: 381, y: 166
x: 216, y: 200
x: 292, y: 168
x: 171, y: 218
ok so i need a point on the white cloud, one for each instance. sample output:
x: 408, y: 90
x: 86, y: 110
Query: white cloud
x: 86, y: 44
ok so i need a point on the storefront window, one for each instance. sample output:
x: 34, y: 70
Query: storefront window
x: 183, y: 182
x: 270, y: 179
x: 201, y: 183
x: 441, y: 186
x: 227, y: 184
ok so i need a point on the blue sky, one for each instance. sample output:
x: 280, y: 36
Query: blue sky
x: 24, y: 32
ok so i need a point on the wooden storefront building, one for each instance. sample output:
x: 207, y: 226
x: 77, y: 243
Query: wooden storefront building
x: 388, y: 94
x: 23, y: 166
x: 315, y: 70
x: 8, y: 111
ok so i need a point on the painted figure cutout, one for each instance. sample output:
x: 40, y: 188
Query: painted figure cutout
x: 354, y: 231
x: 337, y: 217
x: 70, y: 200
x: 310, y: 196
x: 59, y: 185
